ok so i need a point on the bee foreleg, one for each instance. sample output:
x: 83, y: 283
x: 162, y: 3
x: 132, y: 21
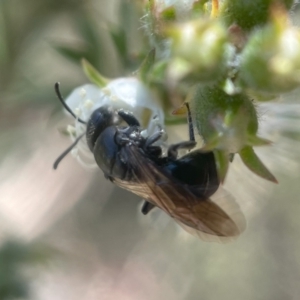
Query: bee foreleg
x: 129, y: 118
x: 147, y: 206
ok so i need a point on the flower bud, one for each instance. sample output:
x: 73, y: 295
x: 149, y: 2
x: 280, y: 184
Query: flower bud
x: 270, y: 62
x: 171, y: 9
x: 228, y: 124
x: 198, y: 47
x: 249, y: 14
x: 225, y: 122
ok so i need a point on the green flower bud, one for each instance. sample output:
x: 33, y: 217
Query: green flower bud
x: 228, y: 124
x: 165, y: 10
x: 249, y: 14
x: 270, y: 62
x: 225, y: 122
x: 199, y: 48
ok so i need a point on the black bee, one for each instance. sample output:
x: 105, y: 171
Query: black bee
x: 179, y: 186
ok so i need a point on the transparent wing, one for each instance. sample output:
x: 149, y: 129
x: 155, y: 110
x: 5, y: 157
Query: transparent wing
x: 227, y: 203
x: 206, y: 217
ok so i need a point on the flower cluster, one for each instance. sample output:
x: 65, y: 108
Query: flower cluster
x: 223, y: 57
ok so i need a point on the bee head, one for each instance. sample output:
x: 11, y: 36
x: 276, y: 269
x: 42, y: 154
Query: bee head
x: 100, y: 119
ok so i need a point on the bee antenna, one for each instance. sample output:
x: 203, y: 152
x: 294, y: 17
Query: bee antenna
x: 61, y: 99
x: 61, y: 157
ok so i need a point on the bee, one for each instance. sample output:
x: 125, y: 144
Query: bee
x: 180, y: 186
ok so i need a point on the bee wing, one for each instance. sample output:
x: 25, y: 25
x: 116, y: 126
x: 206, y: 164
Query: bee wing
x: 225, y: 201
x: 198, y: 216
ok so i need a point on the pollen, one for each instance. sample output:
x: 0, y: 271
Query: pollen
x: 106, y: 91
x: 82, y: 93
x: 74, y: 152
x: 88, y: 104
x: 114, y: 98
x: 77, y: 111
x: 71, y: 129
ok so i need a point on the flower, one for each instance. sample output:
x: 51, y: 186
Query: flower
x: 121, y: 93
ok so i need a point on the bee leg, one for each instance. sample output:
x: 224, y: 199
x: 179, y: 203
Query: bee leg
x: 147, y: 206
x: 129, y: 118
x: 173, y: 149
x: 190, y: 122
x: 153, y: 138
x: 128, y: 130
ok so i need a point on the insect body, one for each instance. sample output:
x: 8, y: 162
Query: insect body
x: 179, y: 186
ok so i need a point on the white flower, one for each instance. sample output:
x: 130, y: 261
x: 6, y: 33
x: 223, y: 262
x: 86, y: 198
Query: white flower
x: 122, y: 93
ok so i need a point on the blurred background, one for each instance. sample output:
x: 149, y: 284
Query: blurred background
x: 70, y: 234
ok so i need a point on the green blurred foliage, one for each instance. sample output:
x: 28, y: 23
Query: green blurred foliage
x: 36, y: 37
x: 43, y: 42
x: 16, y: 259
x: 33, y: 37
x: 213, y: 103
x: 249, y: 14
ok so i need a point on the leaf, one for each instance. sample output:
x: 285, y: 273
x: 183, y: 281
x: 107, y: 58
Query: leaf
x: 73, y: 55
x: 251, y: 160
x: 93, y: 40
x: 253, y: 140
x: 146, y: 65
x: 222, y: 161
x: 93, y: 75
x: 88, y: 29
x: 118, y: 37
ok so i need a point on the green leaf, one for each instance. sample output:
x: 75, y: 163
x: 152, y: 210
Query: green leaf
x: 222, y: 161
x: 88, y: 29
x: 251, y: 160
x: 211, y: 143
x: 73, y: 55
x: 158, y: 72
x: 93, y: 40
x: 254, y: 140
x: 146, y: 65
x: 15, y: 257
x: 118, y: 37
x: 93, y: 75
